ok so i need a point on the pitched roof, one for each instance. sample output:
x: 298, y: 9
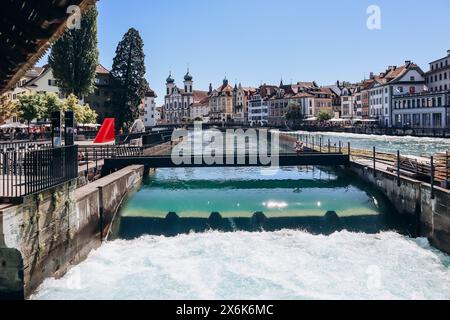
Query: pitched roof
x: 34, y: 72
x: 101, y: 70
x: 150, y: 93
x: 199, y: 95
x: 303, y: 95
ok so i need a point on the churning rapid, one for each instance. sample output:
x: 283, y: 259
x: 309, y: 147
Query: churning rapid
x: 283, y: 264
x: 278, y: 265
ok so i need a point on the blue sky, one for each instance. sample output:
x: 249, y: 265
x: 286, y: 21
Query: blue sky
x: 254, y: 41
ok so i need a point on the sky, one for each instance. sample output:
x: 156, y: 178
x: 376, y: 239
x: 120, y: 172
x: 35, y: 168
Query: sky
x: 264, y: 41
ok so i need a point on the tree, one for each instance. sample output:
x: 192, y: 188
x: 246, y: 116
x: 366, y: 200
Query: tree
x: 74, y: 57
x: 128, y: 72
x: 294, y: 113
x: 32, y: 106
x: 324, y: 116
x: 8, y: 109
x: 83, y: 113
x: 53, y: 104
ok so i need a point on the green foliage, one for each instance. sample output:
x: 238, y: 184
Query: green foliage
x: 74, y: 57
x: 128, y: 72
x: 32, y: 106
x: 8, y: 109
x: 294, y: 112
x: 40, y: 106
x: 324, y: 116
x: 83, y: 113
x: 53, y: 104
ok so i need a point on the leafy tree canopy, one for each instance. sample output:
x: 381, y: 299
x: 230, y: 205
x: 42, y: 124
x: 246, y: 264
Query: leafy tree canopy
x: 8, y: 109
x: 294, y: 112
x: 128, y: 72
x: 74, y: 57
x: 324, y: 116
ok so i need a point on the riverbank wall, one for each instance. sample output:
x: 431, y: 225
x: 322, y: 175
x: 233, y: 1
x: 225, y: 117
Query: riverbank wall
x: 416, y: 200
x: 50, y: 231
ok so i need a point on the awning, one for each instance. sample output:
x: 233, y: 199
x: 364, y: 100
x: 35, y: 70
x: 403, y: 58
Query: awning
x: 14, y: 125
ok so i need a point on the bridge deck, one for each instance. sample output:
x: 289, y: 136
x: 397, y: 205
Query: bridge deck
x: 284, y: 160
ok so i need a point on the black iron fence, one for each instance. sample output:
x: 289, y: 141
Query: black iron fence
x: 24, y: 146
x: 25, y: 172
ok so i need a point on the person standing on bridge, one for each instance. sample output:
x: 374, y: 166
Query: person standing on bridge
x: 299, y: 147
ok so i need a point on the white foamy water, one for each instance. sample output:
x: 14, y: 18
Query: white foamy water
x: 279, y: 265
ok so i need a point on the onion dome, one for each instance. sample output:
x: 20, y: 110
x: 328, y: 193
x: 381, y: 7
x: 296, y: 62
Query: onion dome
x: 188, y: 76
x: 170, y: 79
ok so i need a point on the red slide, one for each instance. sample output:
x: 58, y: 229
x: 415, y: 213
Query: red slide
x: 107, y: 132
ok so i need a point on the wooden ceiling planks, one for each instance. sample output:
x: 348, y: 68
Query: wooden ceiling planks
x: 27, y: 29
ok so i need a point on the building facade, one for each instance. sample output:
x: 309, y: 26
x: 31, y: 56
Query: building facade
x: 241, y: 99
x: 100, y: 99
x: 429, y: 108
x: 201, y: 110
x: 396, y: 81
x: 438, y: 78
x: 221, y: 103
x: 150, y: 112
x: 178, y: 102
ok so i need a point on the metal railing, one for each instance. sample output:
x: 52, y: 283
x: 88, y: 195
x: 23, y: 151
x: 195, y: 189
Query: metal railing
x: 25, y: 172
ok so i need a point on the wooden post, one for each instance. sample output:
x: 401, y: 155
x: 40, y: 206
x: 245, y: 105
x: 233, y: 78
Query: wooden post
x: 349, y: 150
x: 329, y: 146
x: 398, y: 168
x: 446, y: 169
x: 432, y: 177
x: 374, y: 161
x: 320, y: 143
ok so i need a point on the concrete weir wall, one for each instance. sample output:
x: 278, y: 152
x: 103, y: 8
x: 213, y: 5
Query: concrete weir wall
x: 51, y: 231
x: 413, y: 198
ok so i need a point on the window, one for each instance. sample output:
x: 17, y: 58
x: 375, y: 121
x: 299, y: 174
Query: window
x: 413, y: 78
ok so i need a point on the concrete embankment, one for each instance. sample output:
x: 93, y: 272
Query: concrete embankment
x: 414, y: 199
x: 51, y: 231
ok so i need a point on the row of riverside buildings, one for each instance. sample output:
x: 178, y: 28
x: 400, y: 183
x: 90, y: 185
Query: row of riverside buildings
x: 238, y: 104
x: 401, y: 96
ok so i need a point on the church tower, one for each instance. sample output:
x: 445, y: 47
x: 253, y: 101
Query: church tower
x: 188, y: 83
x: 170, y: 84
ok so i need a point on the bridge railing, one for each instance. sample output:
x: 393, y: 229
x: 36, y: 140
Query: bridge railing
x: 25, y: 172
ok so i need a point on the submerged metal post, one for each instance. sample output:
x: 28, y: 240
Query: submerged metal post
x: 398, y: 168
x: 432, y: 177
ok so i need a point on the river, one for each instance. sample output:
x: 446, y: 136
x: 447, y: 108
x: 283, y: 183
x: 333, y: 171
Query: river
x: 414, y: 146
x: 376, y: 260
